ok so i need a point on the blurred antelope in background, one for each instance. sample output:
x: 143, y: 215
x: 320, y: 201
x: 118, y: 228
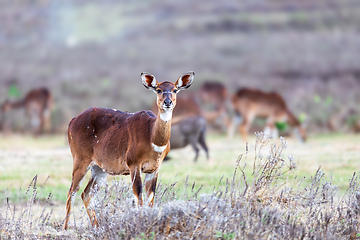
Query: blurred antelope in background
x: 216, y: 95
x: 37, y: 104
x: 250, y: 103
x: 119, y: 143
x: 189, y: 130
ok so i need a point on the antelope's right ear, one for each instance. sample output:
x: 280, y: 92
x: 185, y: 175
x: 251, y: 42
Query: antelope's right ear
x: 185, y: 80
x: 149, y: 81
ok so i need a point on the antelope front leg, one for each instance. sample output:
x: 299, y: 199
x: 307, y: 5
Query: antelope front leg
x: 150, y: 186
x: 137, y: 184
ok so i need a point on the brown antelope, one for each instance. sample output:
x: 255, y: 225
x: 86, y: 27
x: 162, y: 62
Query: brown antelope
x: 119, y: 143
x: 189, y: 130
x: 251, y: 103
x: 215, y: 94
x: 37, y: 104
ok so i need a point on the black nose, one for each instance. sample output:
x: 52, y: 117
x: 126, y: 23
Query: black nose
x: 168, y: 102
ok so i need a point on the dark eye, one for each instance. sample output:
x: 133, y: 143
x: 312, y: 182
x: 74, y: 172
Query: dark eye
x: 158, y: 91
x: 175, y: 91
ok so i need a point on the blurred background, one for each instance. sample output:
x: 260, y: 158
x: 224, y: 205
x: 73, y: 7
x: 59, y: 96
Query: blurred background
x: 91, y: 53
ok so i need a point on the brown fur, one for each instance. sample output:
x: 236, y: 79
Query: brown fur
x: 251, y: 103
x: 37, y: 104
x: 120, y: 143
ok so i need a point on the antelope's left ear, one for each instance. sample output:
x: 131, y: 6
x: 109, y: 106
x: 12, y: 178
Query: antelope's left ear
x: 149, y: 81
x: 185, y: 80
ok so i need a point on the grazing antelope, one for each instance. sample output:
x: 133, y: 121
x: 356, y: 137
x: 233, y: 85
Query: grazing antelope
x: 37, y: 104
x: 215, y: 94
x: 119, y: 143
x: 251, y: 103
x: 189, y: 130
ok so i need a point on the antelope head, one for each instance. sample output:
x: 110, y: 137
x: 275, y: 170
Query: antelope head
x: 167, y: 91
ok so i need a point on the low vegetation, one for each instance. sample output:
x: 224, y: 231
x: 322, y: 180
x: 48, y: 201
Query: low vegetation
x: 257, y: 202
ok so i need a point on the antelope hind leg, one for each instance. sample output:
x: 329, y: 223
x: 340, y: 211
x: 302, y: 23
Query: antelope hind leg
x: 78, y: 174
x: 97, y: 180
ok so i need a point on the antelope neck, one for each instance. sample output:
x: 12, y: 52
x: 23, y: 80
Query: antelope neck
x: 161, y: 131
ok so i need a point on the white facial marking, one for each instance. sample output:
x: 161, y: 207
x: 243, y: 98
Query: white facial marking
x: 166, y: 116
x: 115, y: 110
x: 158, y: 149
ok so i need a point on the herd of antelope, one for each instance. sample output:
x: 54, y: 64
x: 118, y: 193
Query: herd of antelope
x: 109, y: 141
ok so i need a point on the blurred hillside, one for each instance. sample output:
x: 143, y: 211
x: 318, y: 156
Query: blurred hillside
x: 91, y: 53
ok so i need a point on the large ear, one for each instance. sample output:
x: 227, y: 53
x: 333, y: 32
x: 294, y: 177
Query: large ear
x: 149, y: 81
x: 185, y: 80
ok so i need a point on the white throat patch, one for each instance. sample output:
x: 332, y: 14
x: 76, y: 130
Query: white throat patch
x: 166, y: 116
x: 158, y: 149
